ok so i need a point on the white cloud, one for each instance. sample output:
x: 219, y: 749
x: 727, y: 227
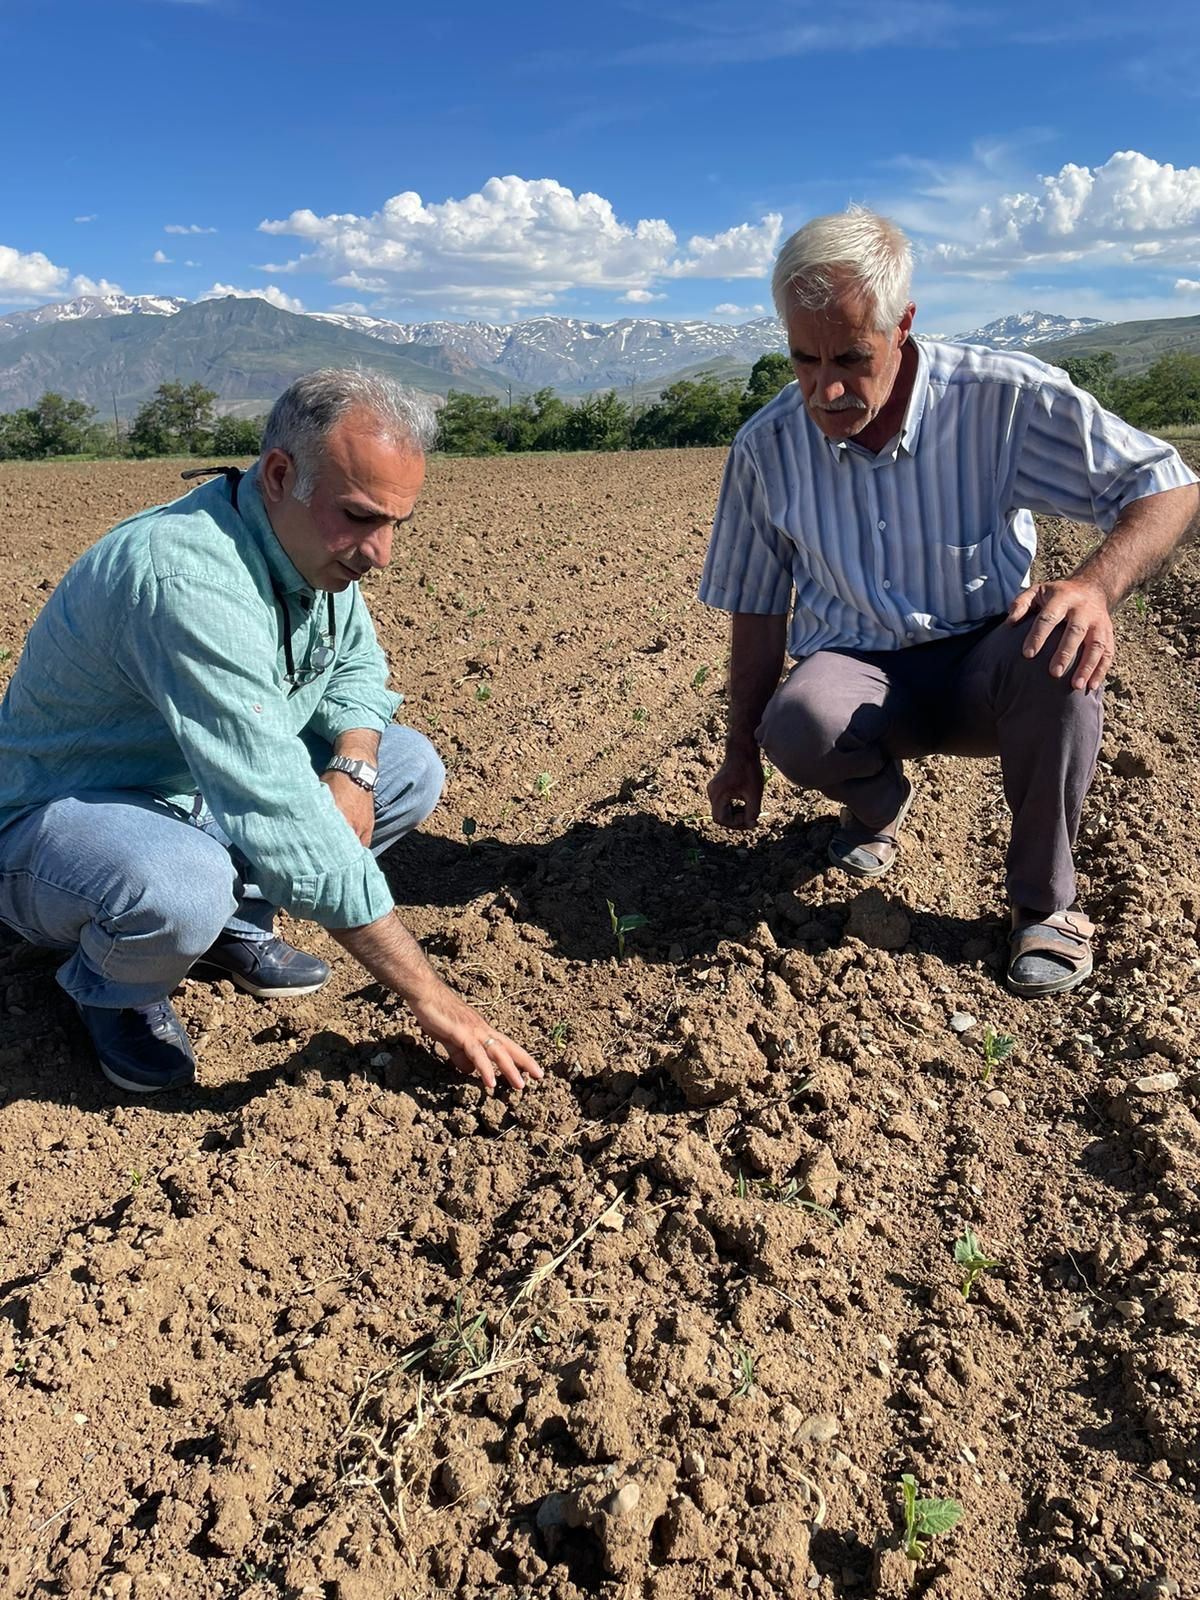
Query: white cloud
x: 639, y: 297
x: 81, y: 284
x: 1187, y: 286
x: 29, y: 273
x: 516, y: 242
x: 272, y: 295
x: 186, y: 227
x: 161, y: 259
x: 1131, y: 208
x: 728, y: 309
x: 90, y: 218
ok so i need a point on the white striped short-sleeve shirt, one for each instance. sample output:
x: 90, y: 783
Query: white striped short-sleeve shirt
x: 934, y: 534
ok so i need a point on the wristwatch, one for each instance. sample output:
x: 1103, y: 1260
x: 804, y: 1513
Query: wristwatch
x: 360, y: 772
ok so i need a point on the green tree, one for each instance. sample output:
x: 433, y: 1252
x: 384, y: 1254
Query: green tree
x: 1167, y: 396
x: 704, y: 411
x: 236, y: 436
x: 61, y: 424
x: 1097, y: 374
x: 470, y: 425
x: 597, y: 422
x: 769, y: 374
x: 178, y: 419
x: 18, y: 436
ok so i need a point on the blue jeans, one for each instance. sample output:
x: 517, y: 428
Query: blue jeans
x: 137, y: 892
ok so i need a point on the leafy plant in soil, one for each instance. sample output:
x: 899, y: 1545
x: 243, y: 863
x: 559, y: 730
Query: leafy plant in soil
x: 997, y: 1047
x: 623, y: 925
x: 783, y: 1194
x: 971, y: 1258
x: 923, y: 1520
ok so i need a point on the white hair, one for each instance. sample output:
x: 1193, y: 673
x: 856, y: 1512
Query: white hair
x: 308, y: 410
x: 855, y: 251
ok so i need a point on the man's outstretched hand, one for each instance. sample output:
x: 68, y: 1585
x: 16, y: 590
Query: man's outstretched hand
x: 472, y: 1046
x: 1080, y: 608
x: 735, y: 791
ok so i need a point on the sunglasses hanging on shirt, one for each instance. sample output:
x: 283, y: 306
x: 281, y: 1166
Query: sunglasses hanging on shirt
x: 321, y: 657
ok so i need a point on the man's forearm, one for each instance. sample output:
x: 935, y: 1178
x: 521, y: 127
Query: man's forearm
x: 756, y: 654
x: 1140, y: 546
x: 392, y: 956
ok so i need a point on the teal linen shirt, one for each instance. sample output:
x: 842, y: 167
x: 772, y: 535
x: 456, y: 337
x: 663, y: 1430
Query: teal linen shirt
x: 158, y: 665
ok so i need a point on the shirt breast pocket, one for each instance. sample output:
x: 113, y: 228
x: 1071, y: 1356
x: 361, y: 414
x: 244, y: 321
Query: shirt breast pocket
x: 968, y: 568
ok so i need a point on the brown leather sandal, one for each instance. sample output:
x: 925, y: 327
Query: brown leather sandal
x: 864, y: 854
x: 1061, y: 947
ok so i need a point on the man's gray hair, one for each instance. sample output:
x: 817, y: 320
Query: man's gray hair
x: 854, y: 250
x: 307, y: 410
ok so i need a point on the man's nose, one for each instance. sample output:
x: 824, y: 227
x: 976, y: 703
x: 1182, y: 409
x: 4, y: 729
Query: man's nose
x: 830, y: 388
x: 377, y: 548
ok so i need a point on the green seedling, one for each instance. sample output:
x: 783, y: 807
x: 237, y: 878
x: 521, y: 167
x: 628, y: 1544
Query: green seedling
x: 469, y: 826
x: 700, y: 678
x: 543, y: 784
x: 623, y: 925
x: 5, y: 654
x: 640, y: 714
x: 136, y: 1179
x: 692, y: 856
x: 783, y: 1194
x: 997, y: 1047
x: 768, y: 773
x: 559, y: 1035
x: 923, y: 1520
x: 1139, y: 604
x: 972, y: 1260
x: 745, y: 1366
x: 484, y: 692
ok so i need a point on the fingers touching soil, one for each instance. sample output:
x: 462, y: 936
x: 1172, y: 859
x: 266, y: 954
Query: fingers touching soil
x: 333, y: 1325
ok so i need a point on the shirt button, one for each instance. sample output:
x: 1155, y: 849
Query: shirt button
x: 882, y: 526
x: 910, y: 636
x: 887, y: 583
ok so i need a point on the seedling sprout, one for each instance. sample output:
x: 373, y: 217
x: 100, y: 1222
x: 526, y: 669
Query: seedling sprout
x: 923, y: 1520
x: 623, y: 925
x: 971, y: 1258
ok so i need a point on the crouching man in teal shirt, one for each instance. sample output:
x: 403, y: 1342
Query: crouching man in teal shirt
x: 200, y: 731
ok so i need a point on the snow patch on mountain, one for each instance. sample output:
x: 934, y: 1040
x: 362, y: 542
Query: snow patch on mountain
x: 1026, y: 329
x: 88, y: 307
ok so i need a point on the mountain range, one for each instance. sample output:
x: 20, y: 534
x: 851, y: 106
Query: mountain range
x: 114, y: 350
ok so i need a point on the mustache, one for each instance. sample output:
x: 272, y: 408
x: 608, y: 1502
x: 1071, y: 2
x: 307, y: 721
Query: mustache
x: 848, y: 402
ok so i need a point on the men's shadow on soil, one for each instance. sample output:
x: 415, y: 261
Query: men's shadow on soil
x: 692, y: 890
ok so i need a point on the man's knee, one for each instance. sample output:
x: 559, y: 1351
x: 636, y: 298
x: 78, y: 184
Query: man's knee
x: 183, y: 899
x: 1029, y: 684
x: 411, y: 773
x: 802, y: 731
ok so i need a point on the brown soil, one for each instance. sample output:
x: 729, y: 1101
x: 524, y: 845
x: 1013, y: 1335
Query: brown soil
x: 241, y: 1346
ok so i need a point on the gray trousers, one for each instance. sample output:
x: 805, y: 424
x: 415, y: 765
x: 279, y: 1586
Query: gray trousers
x: 843, y: 721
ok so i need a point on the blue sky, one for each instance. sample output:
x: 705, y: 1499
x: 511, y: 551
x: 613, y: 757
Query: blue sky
x: 624, y: 159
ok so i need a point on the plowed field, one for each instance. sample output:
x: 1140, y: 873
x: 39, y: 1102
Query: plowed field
x: 333, y: 1325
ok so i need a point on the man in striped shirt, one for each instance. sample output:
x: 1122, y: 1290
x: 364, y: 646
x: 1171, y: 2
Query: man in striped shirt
x: 885, y: 501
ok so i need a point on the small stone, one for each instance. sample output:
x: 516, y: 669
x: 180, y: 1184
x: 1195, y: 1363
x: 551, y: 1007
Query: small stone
x: 819, y: 1428
x: 626, y: 1499
x: 694, y: 1464
x: 961, y: 1022
x: 1130, y: 1310
x: 997, y: 1099
x: 1157, y: 1083
x: 382, y: 1059
x: 1078, y: 1319
x: 902, y: 1126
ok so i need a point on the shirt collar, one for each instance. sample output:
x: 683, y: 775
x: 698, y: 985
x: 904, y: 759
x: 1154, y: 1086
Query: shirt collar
x: 284, y: 576
x: 910, y: 428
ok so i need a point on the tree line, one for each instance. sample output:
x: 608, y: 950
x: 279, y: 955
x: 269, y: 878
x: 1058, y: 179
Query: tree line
x: 179, y: 418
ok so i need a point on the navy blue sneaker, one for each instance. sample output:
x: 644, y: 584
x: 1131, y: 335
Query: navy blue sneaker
x: 265, y: 967
x: 142, y: 1048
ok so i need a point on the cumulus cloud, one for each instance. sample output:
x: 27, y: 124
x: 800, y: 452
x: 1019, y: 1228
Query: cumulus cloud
x: 186, y: 227
x: 1187, y: 286
x: 81, y: 284
x: 29, y: 273
x: 272, y: 295
x: 639, y: 297
x: 1131, y: 208
x: 161, y: 259
x: 728, y: 309
x: 516, y: 242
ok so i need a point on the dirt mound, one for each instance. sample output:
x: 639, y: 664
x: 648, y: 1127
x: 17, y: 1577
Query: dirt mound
x: 333, y: 1325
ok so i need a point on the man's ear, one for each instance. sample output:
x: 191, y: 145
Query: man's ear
x: 276, y: 475
x: 904, y: 326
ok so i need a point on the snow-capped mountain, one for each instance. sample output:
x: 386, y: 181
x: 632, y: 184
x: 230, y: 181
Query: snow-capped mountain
x: 1027, y: 328
x: 87, y: 307
x: 563, y: 352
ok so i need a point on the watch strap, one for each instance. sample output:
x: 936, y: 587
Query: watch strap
x: 360, y: 772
